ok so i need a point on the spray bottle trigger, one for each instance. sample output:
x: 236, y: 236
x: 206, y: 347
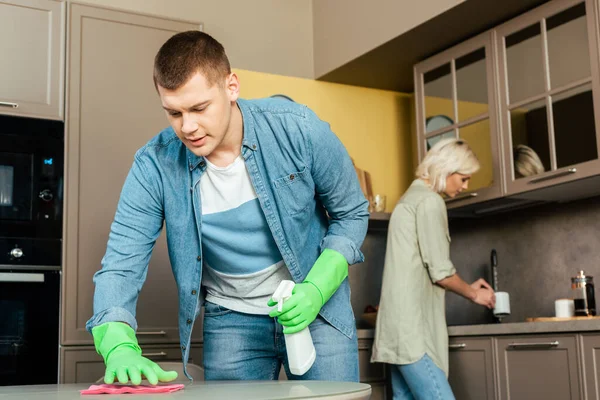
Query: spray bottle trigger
x: 282, y: 293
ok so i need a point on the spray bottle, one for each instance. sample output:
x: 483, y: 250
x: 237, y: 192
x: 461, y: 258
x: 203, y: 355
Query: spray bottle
x: 300, y: 348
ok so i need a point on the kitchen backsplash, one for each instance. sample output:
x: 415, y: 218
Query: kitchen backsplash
x: 539, y: 249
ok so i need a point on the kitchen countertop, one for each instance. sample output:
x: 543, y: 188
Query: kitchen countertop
x: 247, y: 390
x: 511, y: 328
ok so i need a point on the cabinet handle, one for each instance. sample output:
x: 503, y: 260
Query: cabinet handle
x: 570, y: 171
x: 542, y: 345
x: 156, y: 333
x: 159, y: 354
x: 7, y: 104
x: 457, y: 345
x: 463, y: 197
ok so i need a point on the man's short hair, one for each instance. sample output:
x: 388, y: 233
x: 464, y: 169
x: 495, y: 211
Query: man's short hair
x: 186, y: 53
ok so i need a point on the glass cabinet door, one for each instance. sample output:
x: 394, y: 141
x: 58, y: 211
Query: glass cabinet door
x: 455, y: 98
x: 548, y: 61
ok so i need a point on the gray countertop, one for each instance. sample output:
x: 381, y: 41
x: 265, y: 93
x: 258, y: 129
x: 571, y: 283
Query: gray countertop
x: 512, y: 328
x: 247, y: 390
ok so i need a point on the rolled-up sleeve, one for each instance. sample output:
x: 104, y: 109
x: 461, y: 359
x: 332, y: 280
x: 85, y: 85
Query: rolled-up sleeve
x: 433, y: 238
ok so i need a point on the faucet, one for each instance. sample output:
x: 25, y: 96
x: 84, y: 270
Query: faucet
x: 494, y: 263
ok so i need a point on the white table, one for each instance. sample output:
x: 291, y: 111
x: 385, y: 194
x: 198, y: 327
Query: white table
x: 230, y: 390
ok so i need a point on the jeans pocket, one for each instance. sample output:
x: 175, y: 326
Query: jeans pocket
x: 214, y: 310
x: 296, y: 191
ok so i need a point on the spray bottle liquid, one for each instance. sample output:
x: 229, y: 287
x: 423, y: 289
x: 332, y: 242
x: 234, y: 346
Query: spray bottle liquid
x: 300, y: 348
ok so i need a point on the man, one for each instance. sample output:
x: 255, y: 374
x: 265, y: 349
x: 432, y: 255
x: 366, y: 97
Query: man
x: 251, y: 193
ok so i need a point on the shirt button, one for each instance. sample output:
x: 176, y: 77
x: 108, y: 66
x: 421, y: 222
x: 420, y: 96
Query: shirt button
x: 194, y: 292
x: 254, y: 146
x: 189, y: 321
x: 292, y: 176
x: 202, y: 164
x: 199, y: 258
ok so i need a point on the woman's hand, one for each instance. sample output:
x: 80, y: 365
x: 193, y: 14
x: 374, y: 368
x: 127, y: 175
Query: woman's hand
x: 484, y: 294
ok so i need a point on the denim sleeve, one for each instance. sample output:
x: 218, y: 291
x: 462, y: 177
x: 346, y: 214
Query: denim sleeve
x: 338, y: 189
x: 137, y: 225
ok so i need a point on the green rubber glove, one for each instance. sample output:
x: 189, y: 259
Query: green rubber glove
x: 324, y: 278
x: 117, y: 344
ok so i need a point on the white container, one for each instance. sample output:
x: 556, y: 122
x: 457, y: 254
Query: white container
x: 564, y: 308
x: 300, y: 349
x: 502, y: 308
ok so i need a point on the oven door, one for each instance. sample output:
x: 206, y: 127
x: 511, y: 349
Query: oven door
x: 29, y: 324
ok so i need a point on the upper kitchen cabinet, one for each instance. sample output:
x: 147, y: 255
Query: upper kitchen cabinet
x: 548, y: 86
x: 455, y: 99
x: 113, y: 110
x: 33, y: 50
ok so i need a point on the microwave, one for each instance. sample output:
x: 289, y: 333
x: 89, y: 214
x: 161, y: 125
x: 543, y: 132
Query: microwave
x: 31, y: 191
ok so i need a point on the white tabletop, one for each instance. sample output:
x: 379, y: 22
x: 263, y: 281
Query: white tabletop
x: 247, y: 390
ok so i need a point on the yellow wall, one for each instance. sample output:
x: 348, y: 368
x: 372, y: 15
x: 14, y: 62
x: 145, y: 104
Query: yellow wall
x: 374, y: 125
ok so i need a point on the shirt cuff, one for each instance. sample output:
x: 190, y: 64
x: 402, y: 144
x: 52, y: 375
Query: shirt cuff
x: 344, y: 246
x: 441, y: 270
x: 113, y: 314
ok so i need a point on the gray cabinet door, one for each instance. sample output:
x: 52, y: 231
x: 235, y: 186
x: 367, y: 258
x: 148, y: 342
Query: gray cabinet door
x: 84, y: 365
x: 32, y: 48
x: 375, y: 374
x: 113, y: 110
x: 471, y: 374
x: 538, y: 367
x: 591, y: 366
x: 369, y: 372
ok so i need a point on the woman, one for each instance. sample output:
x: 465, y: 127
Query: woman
x: 411, y: 332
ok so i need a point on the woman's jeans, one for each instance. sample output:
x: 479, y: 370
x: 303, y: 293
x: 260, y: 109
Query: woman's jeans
x: 422, y: 380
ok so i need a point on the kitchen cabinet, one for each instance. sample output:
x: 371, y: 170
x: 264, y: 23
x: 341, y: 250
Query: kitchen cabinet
x: 538, y: 367
x: 84, y: 365
x: 455, y: 98
x: 32, y: 77
x: 524, y: 95
x: 375, y: 374
x: 113, y: 109
x: 472, y: 372
x: 548, y: 61
x: 590, y: 349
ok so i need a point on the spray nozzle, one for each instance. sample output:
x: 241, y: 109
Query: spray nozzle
x: 282, y: 293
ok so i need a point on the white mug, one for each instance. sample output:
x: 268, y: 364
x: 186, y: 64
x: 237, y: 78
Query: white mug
x: 564, y: 308
x: 502, y: 308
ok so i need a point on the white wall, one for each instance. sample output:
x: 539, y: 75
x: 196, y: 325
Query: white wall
x: 273, y: 36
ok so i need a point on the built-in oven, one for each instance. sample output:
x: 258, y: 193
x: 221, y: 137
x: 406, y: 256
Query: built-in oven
x: 31, y: 190
x: 31, y: 209
x: 29, y: 307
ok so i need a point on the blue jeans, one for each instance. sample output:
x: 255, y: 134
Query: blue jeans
x: 422, y: 380
x: 240, y: 346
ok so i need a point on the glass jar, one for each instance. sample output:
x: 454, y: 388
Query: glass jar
x: 584, y: 297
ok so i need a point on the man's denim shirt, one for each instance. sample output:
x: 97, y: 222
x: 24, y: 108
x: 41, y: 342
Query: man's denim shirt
x: 298, y: 168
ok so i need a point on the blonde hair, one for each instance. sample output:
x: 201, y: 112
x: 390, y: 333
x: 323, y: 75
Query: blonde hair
x: 447, y: 157
x: 527, y: 162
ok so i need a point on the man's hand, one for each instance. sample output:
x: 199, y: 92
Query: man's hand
x: 484, y: 294
x: 300, y: 309
x: 126, y: 364
x: 117, y: 344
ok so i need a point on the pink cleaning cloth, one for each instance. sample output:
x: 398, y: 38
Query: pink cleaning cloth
x: 135, y: 389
